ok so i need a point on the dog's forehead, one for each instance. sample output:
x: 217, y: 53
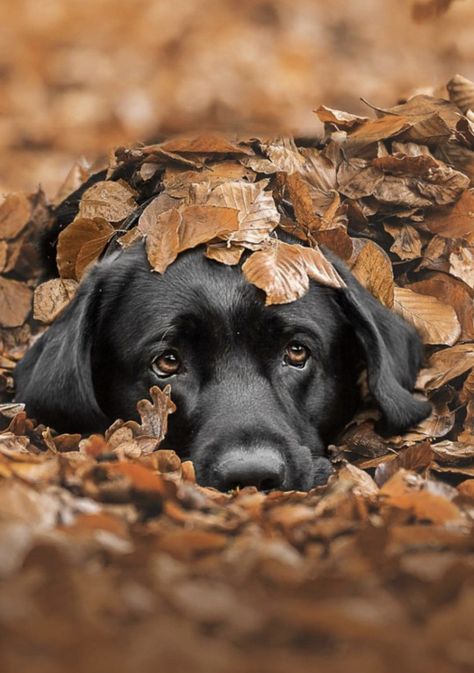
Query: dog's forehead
x: 213, y: 294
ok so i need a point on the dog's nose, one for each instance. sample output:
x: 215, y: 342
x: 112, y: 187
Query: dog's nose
x: 263, y: 468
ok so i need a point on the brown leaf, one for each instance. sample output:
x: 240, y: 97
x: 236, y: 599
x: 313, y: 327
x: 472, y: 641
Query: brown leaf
x: 337, y: 240
x: 446, y: 365
x: 399, y: 163
x: 461, y: 263
x: 224, y: 253
x: 453, y: 453
x: 417, y: 458
x: 282, y: 271
x: 342, y: 120
x: 208, y: 142
x: 301, y: 198
x: 450, y: 291
x: 153, y: 415
x: 357, y: 178
x: 436, y: 322
x: 284, y: 154
x: 454, y: 221
x: 15, y: 302
x: 112, y: 201
x: 373, y: 269
x: 256, y: 209
x: 81, y: 243
x: 162, y: 238
x: 78, y: 174
x: 461, y: 90
x: 15, y: 213
x: 51, y: 298
x: 407, y: 242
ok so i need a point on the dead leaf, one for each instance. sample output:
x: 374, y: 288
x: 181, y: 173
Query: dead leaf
x: 80, y: 244
x: 15, y: 302
x: 373, y: 269
x: 51, y: 298
x: 209, y: 142
x: 407, y: 242
x: 461, y: 89
x: 455, y: 221
x: 15, y: 213
x: 453, y: 292
x: 342, y: 120
x: 256, y: 209
x: 446, y: 365
x: 112, y: 201
x: 283, y: 270
x: 224, y: 253
x: 436, y: 322
x: 180, y: 229
x: 154, y: 414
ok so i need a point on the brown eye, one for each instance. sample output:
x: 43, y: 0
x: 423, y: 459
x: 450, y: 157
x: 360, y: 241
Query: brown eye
x: 296, y: 354
x: 166, y: 364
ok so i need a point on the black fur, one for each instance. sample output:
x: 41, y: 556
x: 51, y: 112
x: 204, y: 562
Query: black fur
x: 238, y: 404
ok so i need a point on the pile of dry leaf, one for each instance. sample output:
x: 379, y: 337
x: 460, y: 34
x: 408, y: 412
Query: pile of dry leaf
x: 112, y: 558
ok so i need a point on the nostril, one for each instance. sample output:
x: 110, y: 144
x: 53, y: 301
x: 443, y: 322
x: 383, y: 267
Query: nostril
x: 263, y: 468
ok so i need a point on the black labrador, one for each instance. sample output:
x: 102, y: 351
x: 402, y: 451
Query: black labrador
x: 260, y: 390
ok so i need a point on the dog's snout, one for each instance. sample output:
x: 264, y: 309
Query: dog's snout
x: 263, y: 468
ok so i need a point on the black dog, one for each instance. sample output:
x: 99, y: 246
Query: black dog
x: 259, y: 390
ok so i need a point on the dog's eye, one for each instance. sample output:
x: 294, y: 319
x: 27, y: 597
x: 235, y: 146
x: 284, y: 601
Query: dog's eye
x: 166, y: 364
x: 296, y: 354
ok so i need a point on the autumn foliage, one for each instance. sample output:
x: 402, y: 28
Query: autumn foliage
x: 112, y: 557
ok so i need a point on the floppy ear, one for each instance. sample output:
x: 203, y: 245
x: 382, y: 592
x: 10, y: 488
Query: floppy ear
x: 54, y: 379
x: 393, y: 352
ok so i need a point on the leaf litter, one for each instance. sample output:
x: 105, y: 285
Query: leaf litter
x: 110, y: 534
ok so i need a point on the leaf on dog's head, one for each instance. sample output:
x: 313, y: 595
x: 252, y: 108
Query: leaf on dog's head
x: 183, y: 228
x: 80, y: 244
x: 282, y: 271
x: 436, y: 322
x: 15, y: 213
x: 257, y: 213
x: 224, y: 253
x: 113, y: 201
x: 15, y: 302
x: 373, y: 269
x: 52, y: 297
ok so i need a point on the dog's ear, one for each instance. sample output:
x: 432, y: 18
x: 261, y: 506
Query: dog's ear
x: 54, y: 379
x: 393, y: 352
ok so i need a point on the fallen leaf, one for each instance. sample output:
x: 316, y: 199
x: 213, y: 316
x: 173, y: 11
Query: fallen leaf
x: 209, y: 142
x: 454, y: 221
x: 15, y: 302
x: 461, y: 89
x: 446, y: 365
x: 436, y: 322
x: 257, y: 213
x: 453, y: 292
x: 373, y: 269
x: 51, y: 298
x: 224, y: 253
x: 407, y: 242
x: 283, y: 270
x: 80, y: 244
x: 112, y: 201
x: 154, y: 414
x: 15, y: 213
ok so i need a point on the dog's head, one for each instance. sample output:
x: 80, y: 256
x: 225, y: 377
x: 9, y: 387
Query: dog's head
x: 259, y: 390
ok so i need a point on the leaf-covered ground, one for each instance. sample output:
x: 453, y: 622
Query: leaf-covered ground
x: 112, y: 558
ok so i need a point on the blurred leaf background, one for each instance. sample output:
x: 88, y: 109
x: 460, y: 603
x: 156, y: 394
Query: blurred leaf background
x: 82, y: 76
